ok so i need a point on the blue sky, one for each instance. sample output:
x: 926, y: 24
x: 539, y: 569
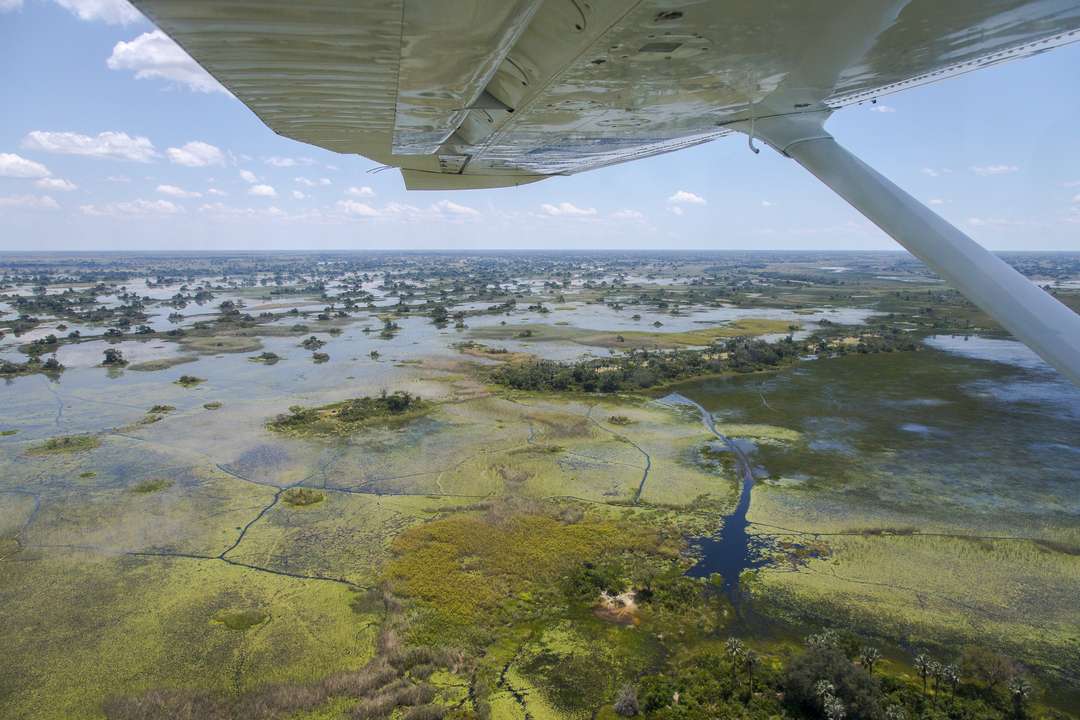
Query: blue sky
x: 110, y: 140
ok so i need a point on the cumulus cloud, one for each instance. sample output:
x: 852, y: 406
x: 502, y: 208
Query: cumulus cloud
x: 935, y: 172
x: 628, y: 215
x: 179, y: 192
x: 10, y: 5
x: 262, y: 191
x: 985, y: 170
x: 111, y: 12
x: 767, y: 204
x: 29, y: 202
x: 133, y: 208
x: 937, y: 201
x: 16, y: 166
x: 297, y: 195
x: 565, y: 209
x: 452, y: 208
x: 307, y: 182
x: 1076, y: 198
x: 677, y: 210
x: 196, y: 154
x: 56, y: 184
x: 882, y: 109
x: 216, y: 192
x: 248, y: 177
x: 364, y: 191
x: 113, y: 145
x: 685, y: 197
x: 155, y: 55
x: 359, y: 209
x: 284, y: 162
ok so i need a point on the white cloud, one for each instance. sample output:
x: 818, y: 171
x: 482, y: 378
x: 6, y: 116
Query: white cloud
x: 155, y: 55
x: 16, y: 166
x: 10, y: 5
x: 351, y: 207
x: 628, y: 214
x: 114, y: 145
x: 985, y: 170
x: 133, y: 208
x: 364, y: 191
x: 1072, y: 184
x: 30, y: 202
x: 1076, y: 198
x: 284, y: 162
x: 766, y: 204
x: 684, y: 197
x: 566, y: 209
x: 936, y: 172
x: 262, y: 191
x: 882, y: 109
x: 297, y: 195
x: 307, y: 182
x: 216, y: 192
x: 248, y: 177
x: 677, y: 210
x: 937, y: 201
x: 56, y: 184
x: 118, y: 178
x: 177, y: 191
x: 453, y: 208
x: 111, y: 12
x: 196, y: 154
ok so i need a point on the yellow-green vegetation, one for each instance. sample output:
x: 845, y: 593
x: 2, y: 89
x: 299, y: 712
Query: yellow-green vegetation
x: 161, y: 409
x: 162, y: 363
x: 190, y: 381
x: 8, y: 433
x: 87, y: 474
x: 65, y: 444
x: 348, y: 416
x: 213, y: 405
x: 243, y: 619
x: 302, y: 496
x: 632, y: 339
x: 152, y: 486
x: 760, y: 433
x: 221, y: 344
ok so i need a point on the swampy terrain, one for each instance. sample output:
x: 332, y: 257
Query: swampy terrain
x: 530, y: 486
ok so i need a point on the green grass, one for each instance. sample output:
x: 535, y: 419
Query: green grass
x: 241, y: 619
x: 152, y: 486
x: 190, y: 381
x: 65, y: 444
x: 8, y: 433
x: 302, y: 496
x: 162, y: 364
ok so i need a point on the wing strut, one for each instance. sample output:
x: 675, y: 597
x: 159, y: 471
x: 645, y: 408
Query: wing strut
x: 1032, y: 315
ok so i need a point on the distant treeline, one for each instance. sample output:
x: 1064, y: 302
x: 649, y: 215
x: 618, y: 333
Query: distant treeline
x: 642, y: 369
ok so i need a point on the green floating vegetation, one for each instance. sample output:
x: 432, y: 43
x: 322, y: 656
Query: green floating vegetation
x: 65, y: 444
x: 152, y: 486
x: 266, y: 358
x: 8, y: 433
x: 241, y: 620
x: 213, y: 405
x: 222, y: 344
x: 346, y: 417
x: 190, y: 380
x: 302, y: 496
x: 88, y: 474
x: 161, y: 409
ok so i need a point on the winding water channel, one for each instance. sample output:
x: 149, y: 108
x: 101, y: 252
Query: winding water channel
x: 733, y: 550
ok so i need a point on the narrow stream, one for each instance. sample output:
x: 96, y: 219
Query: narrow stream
x: 732, y: 550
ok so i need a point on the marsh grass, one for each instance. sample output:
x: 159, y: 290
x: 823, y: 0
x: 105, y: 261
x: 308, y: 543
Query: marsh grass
x: 189, y: 381
x: 301, y: 497
x: 65, y: 444
x: 152, y: 486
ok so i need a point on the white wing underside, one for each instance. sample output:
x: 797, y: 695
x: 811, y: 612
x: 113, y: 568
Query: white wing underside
x: 489, y: 93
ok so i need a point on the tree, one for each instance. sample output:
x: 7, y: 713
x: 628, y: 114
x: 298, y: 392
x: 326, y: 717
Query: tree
x: 1020, y: 690
x: 869, y: 656
x: 923, y: 665
x: 735, y: 649
x: 626, y: 703
x: 114, y: 357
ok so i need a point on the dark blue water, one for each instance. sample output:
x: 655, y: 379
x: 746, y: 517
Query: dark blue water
x: 732, y: 550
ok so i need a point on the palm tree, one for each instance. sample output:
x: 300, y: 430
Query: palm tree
x: 952, y: 676
x: 735, y: 649
x: 823, y: 688
x: 869, y: 656
x: 834, y: 708
x: 924, y: 665
x: 895, y: 712
x: 751, y: 659
x: 1020, y: 689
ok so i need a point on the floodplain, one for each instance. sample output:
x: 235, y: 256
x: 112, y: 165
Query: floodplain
x: 504, y: 485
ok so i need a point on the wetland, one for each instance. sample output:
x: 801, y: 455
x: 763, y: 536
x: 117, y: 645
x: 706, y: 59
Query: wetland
x: 525, y: 486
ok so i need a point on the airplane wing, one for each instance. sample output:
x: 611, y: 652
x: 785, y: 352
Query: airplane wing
x: 485, y: 93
